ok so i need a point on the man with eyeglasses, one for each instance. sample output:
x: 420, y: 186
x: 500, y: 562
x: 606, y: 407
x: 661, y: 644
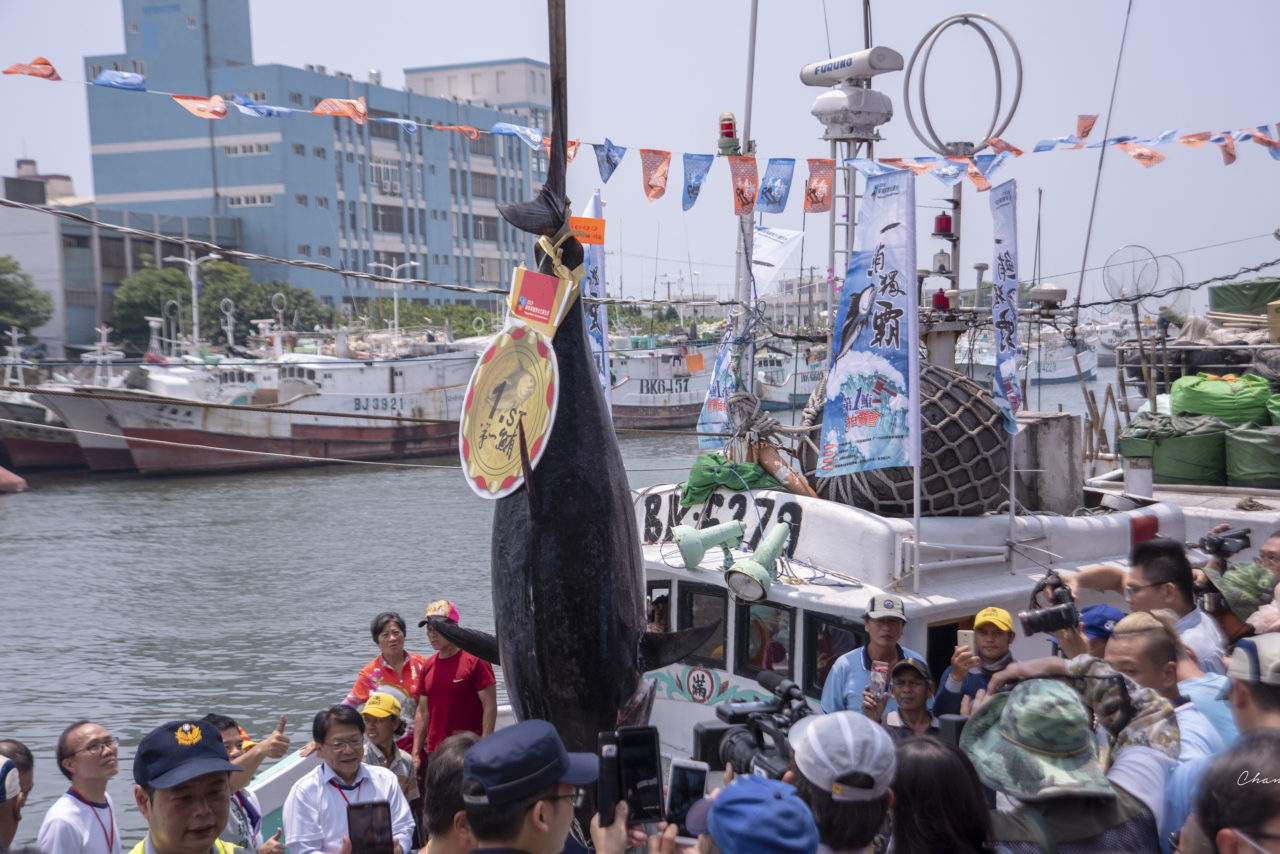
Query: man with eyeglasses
x: 84, y: 819
x: 315, y: 812
x: 1247, y: 586
x: 1254, y: 694
x: 520, y: 787
x: 17, y: 777
x: 1159, y: 576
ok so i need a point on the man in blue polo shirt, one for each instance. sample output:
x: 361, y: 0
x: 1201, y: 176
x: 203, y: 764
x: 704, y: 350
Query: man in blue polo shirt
x: 851, y: 674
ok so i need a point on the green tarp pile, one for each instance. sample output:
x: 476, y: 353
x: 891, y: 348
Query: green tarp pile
x: 1236, y: 400
x: 1188, y: 449
x: 1249, y: 297
x: 1253, y: 457
x: 713, y: 470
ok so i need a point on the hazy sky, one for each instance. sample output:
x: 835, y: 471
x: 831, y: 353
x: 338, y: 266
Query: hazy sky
x: 658, y: 74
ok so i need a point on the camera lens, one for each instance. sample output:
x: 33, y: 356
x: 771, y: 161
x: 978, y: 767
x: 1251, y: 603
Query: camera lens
x: 738, y: 746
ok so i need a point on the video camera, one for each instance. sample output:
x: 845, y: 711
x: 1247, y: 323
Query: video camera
x: 752, y: 735
x: 1226, y: 543
x: 1062, y: 614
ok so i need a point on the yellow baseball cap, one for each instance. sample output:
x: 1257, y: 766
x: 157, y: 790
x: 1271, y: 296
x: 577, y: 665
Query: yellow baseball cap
x: 381, y: 706
x: 997, y: 617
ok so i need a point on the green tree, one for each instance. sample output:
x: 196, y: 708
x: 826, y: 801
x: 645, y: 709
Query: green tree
x: 21, y: 304
x: 144, y: 295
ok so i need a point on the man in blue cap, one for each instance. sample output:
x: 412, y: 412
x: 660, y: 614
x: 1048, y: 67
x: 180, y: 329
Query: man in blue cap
x: 520, y: 787
x: 183, y: 789
x: 754, y: 815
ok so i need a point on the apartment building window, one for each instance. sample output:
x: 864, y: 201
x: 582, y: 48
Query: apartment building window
x: 315, y: 101
x: 300, y: 200
x: 322, y: 201
x: 422, y: 222
x: 435, y: 213
x: 337, y: 169
x: 138, y: 66
x: 246, y: 149
x: 388, y: 219
x: 326, y: 252
x: 117, y: 66
x: 94, y: 70
x: 484, y: 227
x: 295, y: 98
x: 299, y: 149
x: 482, y: 146
x: 133, y: 28
x: 261, y: 148
x: 304, y: 249
x: 192, y: 23
x: 319, y: 152
x: 351, y: 157
x: 484, y: 186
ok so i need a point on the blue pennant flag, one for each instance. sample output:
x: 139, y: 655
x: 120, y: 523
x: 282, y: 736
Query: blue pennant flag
x: 775, y: 186
x: 695, y: 172
x: 989, y: 164
x: 868, y: 168
x: 409, y: 125
x: 262, y: 111
x: 121, y: 80
x: 949, y: 173
x: 532, y: 136
x: 608, y: 156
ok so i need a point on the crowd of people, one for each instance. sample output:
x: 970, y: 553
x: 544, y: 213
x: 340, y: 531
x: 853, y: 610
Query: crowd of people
x: 1158, y: 730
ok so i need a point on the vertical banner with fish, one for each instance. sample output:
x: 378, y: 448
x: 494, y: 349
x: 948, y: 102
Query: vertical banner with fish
x: 593, y: 287
x: 817, y: 190
x: 1004, y: 301
x: 714, y: 418
x: 870, y: 419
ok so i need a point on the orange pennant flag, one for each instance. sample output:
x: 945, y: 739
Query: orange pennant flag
x: 1259, y: 137
x: 571, y: 149
x: 655, y: 165
x: 999, y: 144
x: 343, y: 107
x: 1084, y: 125
x: 466, y: 130
x: 1146, y: 156
x: 205, y: 108
x: 746, y: 184
x: 1194, y: 140
x: 817, y: 191
x: 1228, y: 146
x: 971, y: 169
x: 38, y: 67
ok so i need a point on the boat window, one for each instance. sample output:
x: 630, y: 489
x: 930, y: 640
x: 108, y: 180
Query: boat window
x: 311, y: 375
x: 765, y: 639
x: 700, y: 605
x: 658, y: 608
x: 826, y: 638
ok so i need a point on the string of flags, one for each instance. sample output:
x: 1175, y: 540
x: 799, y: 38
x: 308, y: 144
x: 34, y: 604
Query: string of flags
x: 751, y: 192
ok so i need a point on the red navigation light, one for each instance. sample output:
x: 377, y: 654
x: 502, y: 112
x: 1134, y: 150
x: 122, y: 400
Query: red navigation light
x: 728, y: 134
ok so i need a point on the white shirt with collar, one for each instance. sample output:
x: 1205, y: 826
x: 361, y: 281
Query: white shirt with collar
x: 1200, y: 631
x: 315, y: 812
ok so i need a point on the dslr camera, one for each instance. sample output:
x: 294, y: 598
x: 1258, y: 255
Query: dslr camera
x: 1062, y: 614
x: 752, y: 735
x: 1225, y: 544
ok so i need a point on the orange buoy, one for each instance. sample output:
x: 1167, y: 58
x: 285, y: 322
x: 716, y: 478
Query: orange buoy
x: 771, y: 461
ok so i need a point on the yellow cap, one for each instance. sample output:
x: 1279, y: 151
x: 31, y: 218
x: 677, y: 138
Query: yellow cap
x: 997, y: 617
x: 381, y: 706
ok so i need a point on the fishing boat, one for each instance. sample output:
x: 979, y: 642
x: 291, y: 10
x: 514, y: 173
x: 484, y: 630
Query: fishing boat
x: 659, y: 386
x: 1050, y: 359
x: 786, y: 380
x: 30, y: 434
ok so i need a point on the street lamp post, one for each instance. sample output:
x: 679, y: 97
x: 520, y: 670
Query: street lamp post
x: 395, y: 292
x: 193, y: 265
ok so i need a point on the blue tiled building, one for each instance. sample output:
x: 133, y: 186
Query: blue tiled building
x: 310, y: 187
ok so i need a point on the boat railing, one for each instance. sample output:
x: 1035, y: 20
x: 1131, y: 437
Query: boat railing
x: 1147, y: 368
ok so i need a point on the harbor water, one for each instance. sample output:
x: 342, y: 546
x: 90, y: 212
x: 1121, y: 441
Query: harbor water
x: 132, y: 601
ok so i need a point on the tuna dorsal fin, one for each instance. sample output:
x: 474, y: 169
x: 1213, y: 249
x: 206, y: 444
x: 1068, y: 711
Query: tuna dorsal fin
x: 480, y: 644
x: 658, y: 649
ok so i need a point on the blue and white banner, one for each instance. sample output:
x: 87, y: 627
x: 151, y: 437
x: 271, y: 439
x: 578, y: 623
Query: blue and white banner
x: 1004, y: 301
x: 593, y: 283
x: 695, y: 173
x: 714, y: 417
x: 608, y: 156
x: 532, y: 136
x: 871, y: 417
x: 262, y: 111
x: 775, y: 186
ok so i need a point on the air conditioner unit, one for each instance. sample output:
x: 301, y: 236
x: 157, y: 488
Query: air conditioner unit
x: 385, y: 186
x: 395, y: 188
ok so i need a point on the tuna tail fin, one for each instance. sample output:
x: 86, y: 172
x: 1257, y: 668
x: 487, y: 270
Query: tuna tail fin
x: 658, y: 649
x: 544, y: 214
x: 480, y: 644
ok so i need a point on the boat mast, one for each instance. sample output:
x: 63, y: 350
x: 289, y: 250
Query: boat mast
x: 740, y: 318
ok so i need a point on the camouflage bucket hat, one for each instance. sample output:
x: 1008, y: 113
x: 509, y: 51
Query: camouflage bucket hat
x: 1035, y: 743
x: 1245, y: 587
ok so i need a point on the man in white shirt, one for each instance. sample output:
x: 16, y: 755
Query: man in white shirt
x: 17, y: 776
x: 315, y: 812
x: 83, y: 820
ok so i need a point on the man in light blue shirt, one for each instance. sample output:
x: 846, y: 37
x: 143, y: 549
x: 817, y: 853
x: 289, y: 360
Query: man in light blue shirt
x: 850, y: 676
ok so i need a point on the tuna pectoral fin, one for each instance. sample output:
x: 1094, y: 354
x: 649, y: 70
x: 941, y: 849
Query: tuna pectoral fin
x: 526, y: 467
x: 658, y: 649
x: 480, y: 644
